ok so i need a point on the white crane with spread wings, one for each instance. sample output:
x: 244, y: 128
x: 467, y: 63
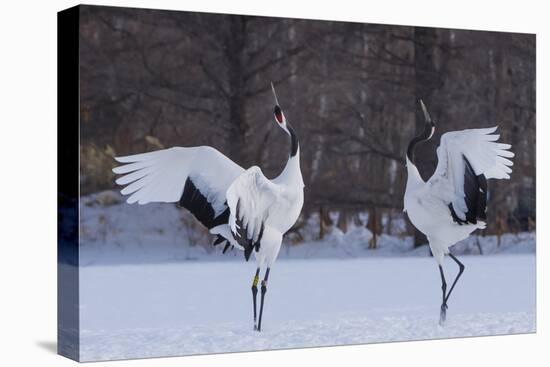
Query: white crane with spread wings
x: 242, y: 207
x: 452, y: 203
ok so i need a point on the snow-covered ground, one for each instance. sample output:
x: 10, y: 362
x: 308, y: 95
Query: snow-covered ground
x: 133, y: 311
x: 152, y: 285
x: 113, y: 232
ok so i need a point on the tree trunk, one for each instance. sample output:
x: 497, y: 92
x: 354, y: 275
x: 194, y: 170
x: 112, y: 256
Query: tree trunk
x: 343, y: 220
x: 427, y: 81
x: 373, y: 225
x: 239, y: 127
x: 324, y: 221
x: 500, y: 227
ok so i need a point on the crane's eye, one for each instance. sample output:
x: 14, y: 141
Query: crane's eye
x: 278, y: 114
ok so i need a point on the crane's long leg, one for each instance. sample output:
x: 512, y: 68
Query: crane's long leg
x: 264, y: 290
x: 446, y: 296
x: 254, y: 293
x: 443, y: 313
x: 460, y: 270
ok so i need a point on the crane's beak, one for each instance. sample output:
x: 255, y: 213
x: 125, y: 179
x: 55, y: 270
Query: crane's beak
x: 274, y: 94
x: 427, y: 116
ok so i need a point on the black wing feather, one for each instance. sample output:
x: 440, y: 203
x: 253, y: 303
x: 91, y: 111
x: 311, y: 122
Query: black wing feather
x: 194, y: 201
x: 475, y: 196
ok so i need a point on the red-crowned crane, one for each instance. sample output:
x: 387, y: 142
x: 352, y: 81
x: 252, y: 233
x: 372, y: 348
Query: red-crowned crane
x: 452, y: 203
x: 242, y: 207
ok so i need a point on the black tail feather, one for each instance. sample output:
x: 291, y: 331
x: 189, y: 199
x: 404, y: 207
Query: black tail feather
x: 219, y: 239
x: 247, y: 252
x: 456, y: 218
x: 242, y: 237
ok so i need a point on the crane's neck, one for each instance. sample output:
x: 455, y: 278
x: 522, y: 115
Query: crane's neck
x: 429, y: 129
x: 413, y: 176
x: 294, y: 144
x: 292, y: 173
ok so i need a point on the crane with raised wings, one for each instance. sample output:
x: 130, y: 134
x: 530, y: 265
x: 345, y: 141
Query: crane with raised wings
x: 453, y: 202
x: 243, y: 208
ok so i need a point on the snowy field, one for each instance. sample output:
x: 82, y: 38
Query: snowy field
x: 152, y: 285
x: 113, y: 232
x: 187, y: 307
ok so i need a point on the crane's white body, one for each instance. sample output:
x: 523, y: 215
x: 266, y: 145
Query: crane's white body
x: 286, y: 194
x: 427, y: 203
x: 430, y: 215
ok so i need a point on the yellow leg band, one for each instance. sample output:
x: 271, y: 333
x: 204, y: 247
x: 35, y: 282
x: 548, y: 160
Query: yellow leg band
x: 255, y: 282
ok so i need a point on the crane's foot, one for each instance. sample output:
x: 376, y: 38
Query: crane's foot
x: 443, y: 314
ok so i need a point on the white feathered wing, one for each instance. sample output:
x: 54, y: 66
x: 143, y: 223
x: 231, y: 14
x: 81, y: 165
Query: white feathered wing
x: 160, y: 176
x: 484, y: 154
x: 249, y: 198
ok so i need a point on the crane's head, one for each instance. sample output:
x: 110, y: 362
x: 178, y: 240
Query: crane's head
x: 280, y: 118
x: 429, y: 129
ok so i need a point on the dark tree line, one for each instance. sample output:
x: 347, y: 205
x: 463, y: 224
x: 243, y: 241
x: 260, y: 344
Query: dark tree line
x: 152, y: 79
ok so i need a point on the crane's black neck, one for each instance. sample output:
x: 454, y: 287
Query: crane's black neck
x: 429, y: 128
x: 294, y: 144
